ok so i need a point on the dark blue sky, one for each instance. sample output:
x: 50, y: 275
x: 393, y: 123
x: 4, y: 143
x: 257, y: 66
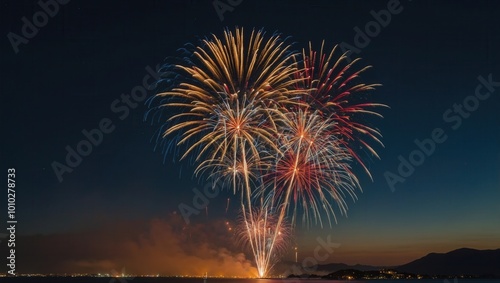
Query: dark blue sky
x: 67, y: 78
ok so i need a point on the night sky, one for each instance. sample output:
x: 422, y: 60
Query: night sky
x: 118, y: 208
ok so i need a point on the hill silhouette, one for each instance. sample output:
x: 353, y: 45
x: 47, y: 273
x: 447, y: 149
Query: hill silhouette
x: 457, y: 262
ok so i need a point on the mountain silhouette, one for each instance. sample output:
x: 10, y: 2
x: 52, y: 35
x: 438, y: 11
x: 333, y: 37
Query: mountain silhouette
x: 463, y: 261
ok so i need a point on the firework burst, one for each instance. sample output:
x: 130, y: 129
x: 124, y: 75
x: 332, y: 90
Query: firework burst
x: 224, y: 103
x: 322, y: 134
x: 263, y: 226
x: 313, y: 171
x: 271, y: 124
x: 330, y: 86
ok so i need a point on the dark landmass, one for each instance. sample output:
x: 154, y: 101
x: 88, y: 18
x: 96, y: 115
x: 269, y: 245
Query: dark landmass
x: 353, y: 274
x: 460, y: 263
x: 473, y: 262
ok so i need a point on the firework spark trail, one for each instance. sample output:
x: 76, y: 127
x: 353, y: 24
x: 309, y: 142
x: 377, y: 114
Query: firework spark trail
x: 230, y: 88
x: 320, y: 136
x: 313, y: 170
x: 263, y: 226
